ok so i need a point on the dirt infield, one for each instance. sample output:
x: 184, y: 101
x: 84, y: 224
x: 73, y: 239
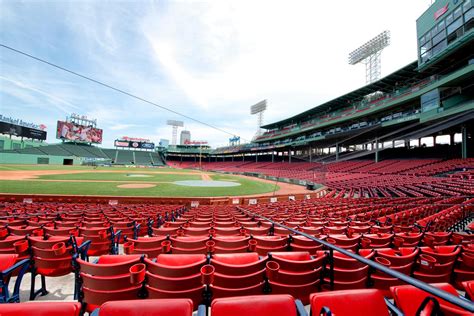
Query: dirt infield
x: 136, y: 186
x: 33, y: 174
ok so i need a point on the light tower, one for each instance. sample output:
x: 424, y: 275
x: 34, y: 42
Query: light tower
x: 174, y: 124
x: 258, y: 109
x: 369, y: 54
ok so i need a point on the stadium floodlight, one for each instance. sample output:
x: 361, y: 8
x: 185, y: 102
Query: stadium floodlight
x: 369, y: 54
x: 258, y: 109
x: 174, y: 124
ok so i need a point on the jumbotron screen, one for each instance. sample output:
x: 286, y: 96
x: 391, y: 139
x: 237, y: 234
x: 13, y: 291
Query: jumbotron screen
x: 78, y: 133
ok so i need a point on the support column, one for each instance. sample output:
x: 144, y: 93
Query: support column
x: 256, y: 157
x: 451, y: 139
x: 337, y: 152
x: 310, y: 154
x: 376, y: 150
x: 289, y: 155
x: 273, y: 156
x: 464, y: 142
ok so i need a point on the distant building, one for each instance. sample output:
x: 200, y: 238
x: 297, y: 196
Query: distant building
x: 185, y: 137
x: 164, y: 143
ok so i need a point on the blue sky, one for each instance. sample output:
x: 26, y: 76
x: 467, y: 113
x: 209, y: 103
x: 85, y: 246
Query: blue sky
x: 208, y: 59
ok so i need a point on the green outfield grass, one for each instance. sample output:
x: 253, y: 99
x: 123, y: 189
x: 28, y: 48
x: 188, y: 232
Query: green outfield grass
x: 110, y: 188
x: 111, y: 176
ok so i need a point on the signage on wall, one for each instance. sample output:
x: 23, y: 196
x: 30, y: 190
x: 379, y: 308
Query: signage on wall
x: 441, y: 11
x: 273, y: 200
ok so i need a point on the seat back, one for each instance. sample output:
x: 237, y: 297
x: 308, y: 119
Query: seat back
x: 408, y: 298
x: 364, y: 302
x: 151, y: 307
x: 271, y: 305
x: 41, y: 309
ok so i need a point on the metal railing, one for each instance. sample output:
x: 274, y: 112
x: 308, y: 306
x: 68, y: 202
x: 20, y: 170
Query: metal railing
x: 463, y: 303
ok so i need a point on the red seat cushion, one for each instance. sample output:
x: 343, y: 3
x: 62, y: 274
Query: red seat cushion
x: 262, y: 305
x: 469, y: 287
x: 409, y: 298
x: 41, y: 309
x: 6, y: 261
x: 364, y: 302
x: 151, y: 307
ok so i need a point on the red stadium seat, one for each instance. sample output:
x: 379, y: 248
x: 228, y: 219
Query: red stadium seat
x: 266, y: 244
x: 152, y: 307
x: 237, y: 274
x: 176, y: 276
x: 52, y: 258
x: 349, y: 273
x: 11, y: 245
x: 269, y: 305
x: 408, y: 298
x: 150, y: 246
x: 231, y: 244
x: 188, y: 244
x: 364, y: 302
x: 41, y: 309
x: 301, y: 243
x: 103, y: 240
x: 9, y: 266
x: 295, y: 273
x: 109, y: 279
x: 469, y: 287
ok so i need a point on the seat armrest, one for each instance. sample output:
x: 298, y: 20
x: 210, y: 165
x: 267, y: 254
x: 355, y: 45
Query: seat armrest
x: 202, y: 310
x: 300, y: 308
x: 23, y: 265
x: 393, y: 309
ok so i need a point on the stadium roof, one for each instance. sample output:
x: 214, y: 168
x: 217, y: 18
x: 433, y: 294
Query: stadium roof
x: 404, y: 76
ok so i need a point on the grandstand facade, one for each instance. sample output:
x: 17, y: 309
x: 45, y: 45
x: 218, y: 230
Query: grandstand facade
x: 372, y: 142
x: 77, y: 154
x: 428, y: 97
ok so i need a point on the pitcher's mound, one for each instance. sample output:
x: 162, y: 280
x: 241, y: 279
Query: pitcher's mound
x: 136, y: 186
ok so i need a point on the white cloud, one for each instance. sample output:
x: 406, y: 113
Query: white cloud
x: 207, y: 59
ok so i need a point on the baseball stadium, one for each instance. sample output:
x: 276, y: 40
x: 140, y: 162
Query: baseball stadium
x: 360, y: 205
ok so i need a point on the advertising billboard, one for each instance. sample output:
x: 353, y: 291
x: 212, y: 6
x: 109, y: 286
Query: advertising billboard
x: 22, y: 131
x: 134, y: 144
x: 78, y: 133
